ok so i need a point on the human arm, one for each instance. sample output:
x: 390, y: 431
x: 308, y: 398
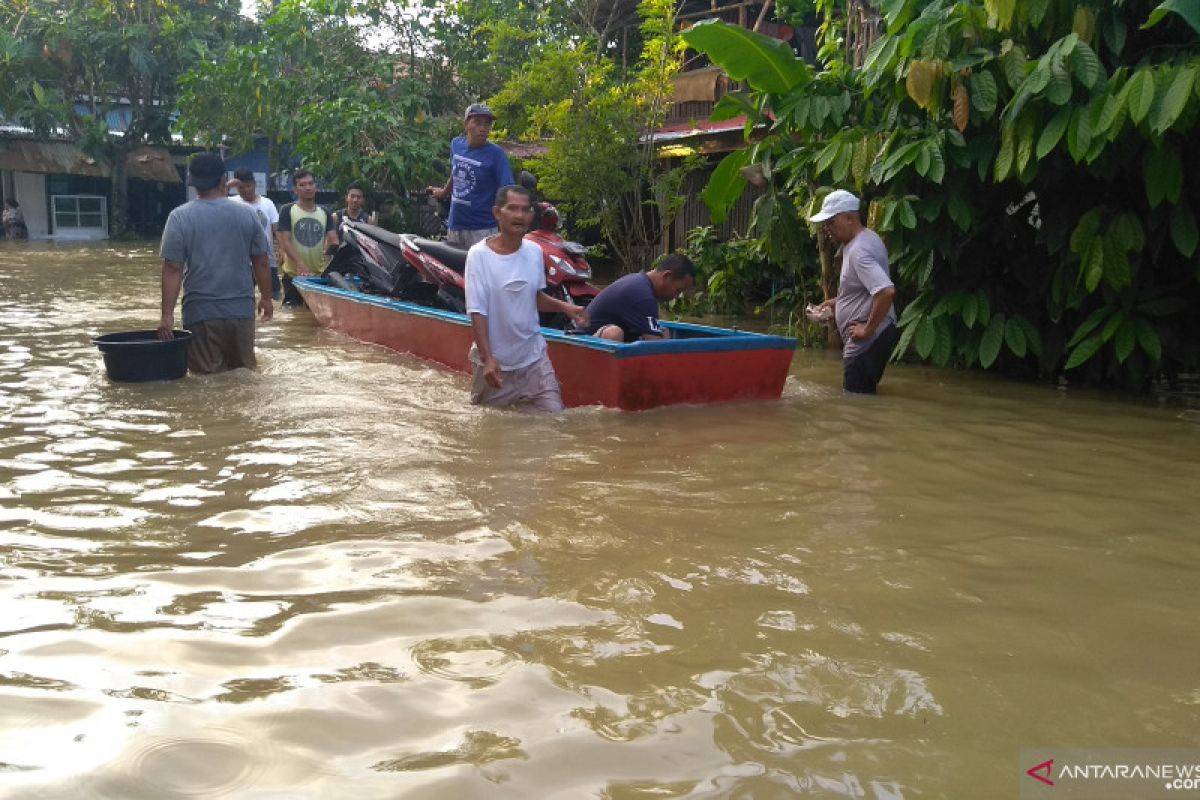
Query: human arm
x: 441, y: 192
x: 284, y: 233
x: 576, y: 314
x: 504, y: 173
x: 491, y: 367
x: 331, y: 237
x: 881, y: 303
x: 172, y: 283
x: 262, y: 279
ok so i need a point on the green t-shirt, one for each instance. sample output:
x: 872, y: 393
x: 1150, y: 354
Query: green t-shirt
x: 308, y: 230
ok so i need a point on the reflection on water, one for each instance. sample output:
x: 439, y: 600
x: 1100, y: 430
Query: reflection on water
x: 334, y: 578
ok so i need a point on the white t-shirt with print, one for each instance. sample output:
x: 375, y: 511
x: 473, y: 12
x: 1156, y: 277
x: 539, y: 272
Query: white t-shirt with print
x: 504, y: 289
x: 268, y: 215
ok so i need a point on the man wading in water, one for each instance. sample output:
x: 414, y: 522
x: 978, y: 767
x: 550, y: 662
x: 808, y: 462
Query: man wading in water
x: 863, y: 307
x: 505, y: 278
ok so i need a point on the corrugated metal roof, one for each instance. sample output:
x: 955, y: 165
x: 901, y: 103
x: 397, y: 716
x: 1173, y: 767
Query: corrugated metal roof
x: 64, y: 158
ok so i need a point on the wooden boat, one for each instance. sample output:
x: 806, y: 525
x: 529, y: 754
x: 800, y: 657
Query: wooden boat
x: 699, y: 364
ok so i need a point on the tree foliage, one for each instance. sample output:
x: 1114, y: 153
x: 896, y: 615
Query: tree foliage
x: 594, y: 116
x: 1028, y: 163
x: 65, y: 65
x: 309, y: 82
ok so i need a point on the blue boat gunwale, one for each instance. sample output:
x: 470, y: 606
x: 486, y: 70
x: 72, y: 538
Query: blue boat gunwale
x: 705, y: 338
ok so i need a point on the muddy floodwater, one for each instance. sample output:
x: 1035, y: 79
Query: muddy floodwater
x: 336, y: 579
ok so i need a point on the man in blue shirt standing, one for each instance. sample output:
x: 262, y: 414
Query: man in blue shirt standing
x: 478, y: 169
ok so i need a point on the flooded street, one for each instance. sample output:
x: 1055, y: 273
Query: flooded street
x: 336, y: 579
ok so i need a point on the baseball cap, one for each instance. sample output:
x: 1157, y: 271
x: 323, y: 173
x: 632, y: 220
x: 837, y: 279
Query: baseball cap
x: 205, y: 171
x: 836, y: 202
x: 478, y: 110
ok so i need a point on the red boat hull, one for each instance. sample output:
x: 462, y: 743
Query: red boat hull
x: 701, y: 365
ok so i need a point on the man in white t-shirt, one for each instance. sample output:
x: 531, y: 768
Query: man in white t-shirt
x: 268, y: 217
x: 505, y: 278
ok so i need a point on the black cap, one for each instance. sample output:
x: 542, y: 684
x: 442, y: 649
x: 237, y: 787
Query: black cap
x: 205, y: 171
x: 478, y: 110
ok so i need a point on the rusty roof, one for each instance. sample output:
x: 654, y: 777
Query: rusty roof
x: 65, y: 158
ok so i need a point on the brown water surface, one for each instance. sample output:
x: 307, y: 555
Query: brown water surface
x: 336, y: 579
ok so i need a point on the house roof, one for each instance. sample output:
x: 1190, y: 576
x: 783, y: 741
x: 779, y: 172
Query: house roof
x: 147, y: 163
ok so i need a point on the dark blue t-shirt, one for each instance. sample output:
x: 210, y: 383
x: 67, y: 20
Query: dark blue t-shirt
x: 628, y: 302
x: 478, y: 173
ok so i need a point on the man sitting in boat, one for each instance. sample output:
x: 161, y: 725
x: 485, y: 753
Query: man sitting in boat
x: 627, y: 309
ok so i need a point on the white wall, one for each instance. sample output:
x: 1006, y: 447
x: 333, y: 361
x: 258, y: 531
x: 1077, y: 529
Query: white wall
x: 29, y: 188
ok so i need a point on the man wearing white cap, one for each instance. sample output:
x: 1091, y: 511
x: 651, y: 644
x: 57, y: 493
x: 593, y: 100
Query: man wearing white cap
x: 863, y: 308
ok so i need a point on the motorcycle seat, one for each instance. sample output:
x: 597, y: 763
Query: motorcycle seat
x: 452, y: 257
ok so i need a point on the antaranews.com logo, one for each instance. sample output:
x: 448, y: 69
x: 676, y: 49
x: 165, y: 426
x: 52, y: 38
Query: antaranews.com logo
x: 1117, y: 773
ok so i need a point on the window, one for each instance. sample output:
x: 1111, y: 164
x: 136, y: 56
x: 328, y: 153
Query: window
x: 74, y: 211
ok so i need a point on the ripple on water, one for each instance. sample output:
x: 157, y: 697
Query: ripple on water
x: 477, y: 748
x: 79, y: 517
x: 475, y: 660
x: 275, y: 519
x: 218, y: 762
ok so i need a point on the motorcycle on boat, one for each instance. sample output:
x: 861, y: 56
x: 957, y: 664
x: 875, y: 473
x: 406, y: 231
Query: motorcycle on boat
x: 430, y: 272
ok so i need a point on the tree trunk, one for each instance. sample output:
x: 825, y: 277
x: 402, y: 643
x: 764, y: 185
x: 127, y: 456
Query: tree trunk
x: 119, y: 210
x: 828, y: 285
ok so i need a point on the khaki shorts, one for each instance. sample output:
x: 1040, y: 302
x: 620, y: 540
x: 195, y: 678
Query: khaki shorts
x: 530, y: 388
x: 221, y: 344
x: 466, y: 239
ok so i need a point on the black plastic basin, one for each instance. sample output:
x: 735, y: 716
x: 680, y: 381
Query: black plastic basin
x: 139, y: 356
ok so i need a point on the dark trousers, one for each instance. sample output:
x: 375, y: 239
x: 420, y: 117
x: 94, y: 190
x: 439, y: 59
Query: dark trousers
x: 861, y: 373
x: 291, y: 295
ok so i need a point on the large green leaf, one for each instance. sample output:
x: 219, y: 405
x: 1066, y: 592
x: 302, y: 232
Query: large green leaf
x: 1090, y: 324
x: 734, y: 105
x: 1086, y: 65
x: 1004, y: 158
x: 1163, y: 175
x: 993, y: 338
x: 1141, y: 94
x: 1124, y: 340
x: 1188, y: 9
x: 767, y: 64
x: 969, y: 307
x: 1052, y: 132
x: 926, y: 337
x: 1092, y: 267
x: 1084, y: 351
x: 984, y: 93
x: 1014, y: 337
x: 1033, y: 339
x: 1148, y: 338
x: 1079, y: 134
x: 1174, y: 101
x: 1058, y: 91
x: 726, y: 184
x: 1183, y: 230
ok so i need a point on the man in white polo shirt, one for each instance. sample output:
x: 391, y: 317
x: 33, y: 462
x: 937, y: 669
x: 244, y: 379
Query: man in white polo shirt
x: 505, y: 278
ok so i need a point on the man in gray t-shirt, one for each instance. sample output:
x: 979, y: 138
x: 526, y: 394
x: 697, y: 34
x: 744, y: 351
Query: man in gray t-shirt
x: 863, y: 308
x: 215, y: 251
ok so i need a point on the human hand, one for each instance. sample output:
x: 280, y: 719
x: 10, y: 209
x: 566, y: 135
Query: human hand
x: 266, y: 309
x: 491, y: 372
x: 166, y: 327
x: 859, y: 331
x: 820, y: 314
x: 578, y: 315
x: 438, y: 192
